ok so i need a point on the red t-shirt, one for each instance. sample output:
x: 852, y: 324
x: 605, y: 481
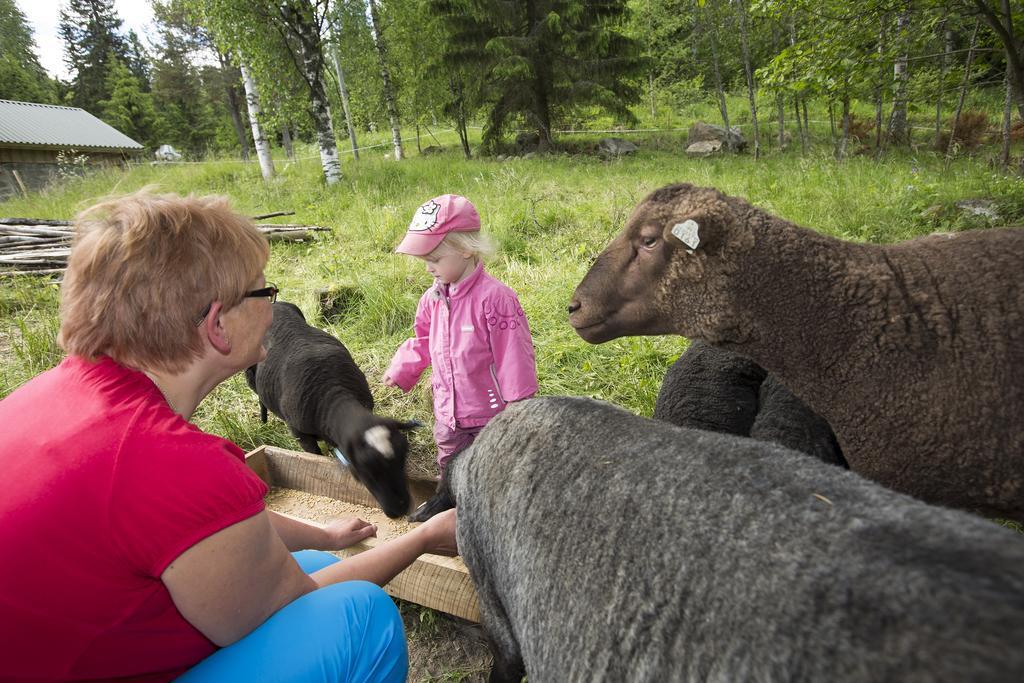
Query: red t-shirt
x: 104, y: 486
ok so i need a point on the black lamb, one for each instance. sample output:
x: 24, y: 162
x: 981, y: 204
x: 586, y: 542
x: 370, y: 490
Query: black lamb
x: 710, y: 388
x: 723, y: 391
x: 310, y: 381
x: 786, y: 420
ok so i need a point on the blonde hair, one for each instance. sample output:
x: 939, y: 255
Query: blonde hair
x: 142, y: 269
x: 470, y: 241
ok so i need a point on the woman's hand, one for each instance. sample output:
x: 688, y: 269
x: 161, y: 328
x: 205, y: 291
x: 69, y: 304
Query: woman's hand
x: 439, y: 534
x: 342, y: 533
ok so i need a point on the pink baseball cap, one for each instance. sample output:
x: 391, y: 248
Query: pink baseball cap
x: 436, y: 218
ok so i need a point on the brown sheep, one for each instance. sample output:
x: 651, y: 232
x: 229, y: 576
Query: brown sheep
x: 913, y: 352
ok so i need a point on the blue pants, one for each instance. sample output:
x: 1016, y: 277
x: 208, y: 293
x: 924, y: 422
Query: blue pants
x: 343, y: 632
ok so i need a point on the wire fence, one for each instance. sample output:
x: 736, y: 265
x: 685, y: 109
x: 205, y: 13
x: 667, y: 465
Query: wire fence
x: 768, y: 124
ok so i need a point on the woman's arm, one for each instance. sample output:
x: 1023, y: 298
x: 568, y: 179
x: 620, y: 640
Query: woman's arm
x: 232, y: 581
x: 229, y: 583
x: 383, y: 563
x: 341, y: 533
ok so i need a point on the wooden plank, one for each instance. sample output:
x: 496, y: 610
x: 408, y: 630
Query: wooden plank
x: 21, y: 185
x: 435, y: 581
x: 323, y: 476
x: 257, y: 462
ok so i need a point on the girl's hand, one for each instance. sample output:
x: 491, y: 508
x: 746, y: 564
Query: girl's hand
x: 388, y: 382
x: 341, y: 533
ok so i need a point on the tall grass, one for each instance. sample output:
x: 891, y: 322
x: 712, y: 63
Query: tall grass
x: 551, y: 216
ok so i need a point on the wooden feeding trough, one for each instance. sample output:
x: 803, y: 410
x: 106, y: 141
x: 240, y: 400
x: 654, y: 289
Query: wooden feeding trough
x: 313, y: 488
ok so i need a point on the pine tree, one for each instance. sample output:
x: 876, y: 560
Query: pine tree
x: 221, y: 84
x: 91, y: 33
x: 545, y: 59
x: 128, y: 109
x: 21, y: 75
x: 185, y: 118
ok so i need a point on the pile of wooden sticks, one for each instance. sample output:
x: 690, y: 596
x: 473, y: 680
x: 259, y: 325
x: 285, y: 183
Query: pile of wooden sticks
x: 41, y: 246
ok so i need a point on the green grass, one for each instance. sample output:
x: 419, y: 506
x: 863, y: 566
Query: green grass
x: 550, y: 215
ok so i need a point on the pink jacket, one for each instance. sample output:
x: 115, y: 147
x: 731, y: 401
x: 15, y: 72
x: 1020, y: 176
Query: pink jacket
x: 477, y: 340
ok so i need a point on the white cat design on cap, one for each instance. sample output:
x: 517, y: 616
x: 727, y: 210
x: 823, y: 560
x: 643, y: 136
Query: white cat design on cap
x: 434, y: 219
x: 425, y: 217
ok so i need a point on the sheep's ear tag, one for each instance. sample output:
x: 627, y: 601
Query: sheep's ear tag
x: 688, y: 233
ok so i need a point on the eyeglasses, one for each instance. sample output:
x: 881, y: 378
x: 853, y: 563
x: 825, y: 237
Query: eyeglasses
x: 270, y: 291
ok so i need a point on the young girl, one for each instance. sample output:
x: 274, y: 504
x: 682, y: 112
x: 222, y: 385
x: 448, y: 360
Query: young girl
x: 469, y: 327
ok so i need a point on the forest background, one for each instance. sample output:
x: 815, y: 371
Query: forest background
x: 323, y: 70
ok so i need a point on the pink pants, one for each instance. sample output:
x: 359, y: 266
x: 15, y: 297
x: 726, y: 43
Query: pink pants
x: 451, y: 441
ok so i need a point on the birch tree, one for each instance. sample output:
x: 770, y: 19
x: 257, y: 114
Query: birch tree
x: 305, y: 23
x: 390, y: 98
x: 898, y: 131
x: 252, y: 101
x: 741, y: 8
x: 709, y: 24
x: 281, y: 41
x: 999, y: 16
x: 339, y: 74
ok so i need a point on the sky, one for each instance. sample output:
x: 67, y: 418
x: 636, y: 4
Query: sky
x: 44, y: 16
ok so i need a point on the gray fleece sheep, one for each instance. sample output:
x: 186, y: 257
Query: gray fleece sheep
x: 610, y: 547
x: 310, y: 381
x: 913, y: 352
x: 721, y: 391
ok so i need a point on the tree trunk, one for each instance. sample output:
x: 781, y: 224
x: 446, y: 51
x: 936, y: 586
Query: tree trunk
x: 832, y: 120
x: 899, y: 133
x: 343, y: 91
x: 650, y: 85
x: 650, y: 74
x: 542, y: 110
x: 1004, y: 154
x: 780, y: 103
x: 230, y: 88
x: 722, y: 107
x: 801, y: 126
x: 799, y: 123
x: 780, y: 107
x: 841, y: 150
x: 286, y: 141
x: 541, y: 84
x: 252, y: 101
x: 947, y: 44
x: 390, y: 100
x: 807, y: 130
x: 298, y: 17
x: 879, y: 86
x: 963, y: 92
x: 1002, y: 25
x: 458, y: 97
x: 419, y: 147
x: 741, y: 6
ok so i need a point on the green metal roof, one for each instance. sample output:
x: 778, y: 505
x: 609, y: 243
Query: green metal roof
x: 47, y: 125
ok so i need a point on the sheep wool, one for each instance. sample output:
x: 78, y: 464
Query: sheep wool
x: 912, y: 352
x: 650, y: 552
x: 722, y: 391
x: 310, y: 381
